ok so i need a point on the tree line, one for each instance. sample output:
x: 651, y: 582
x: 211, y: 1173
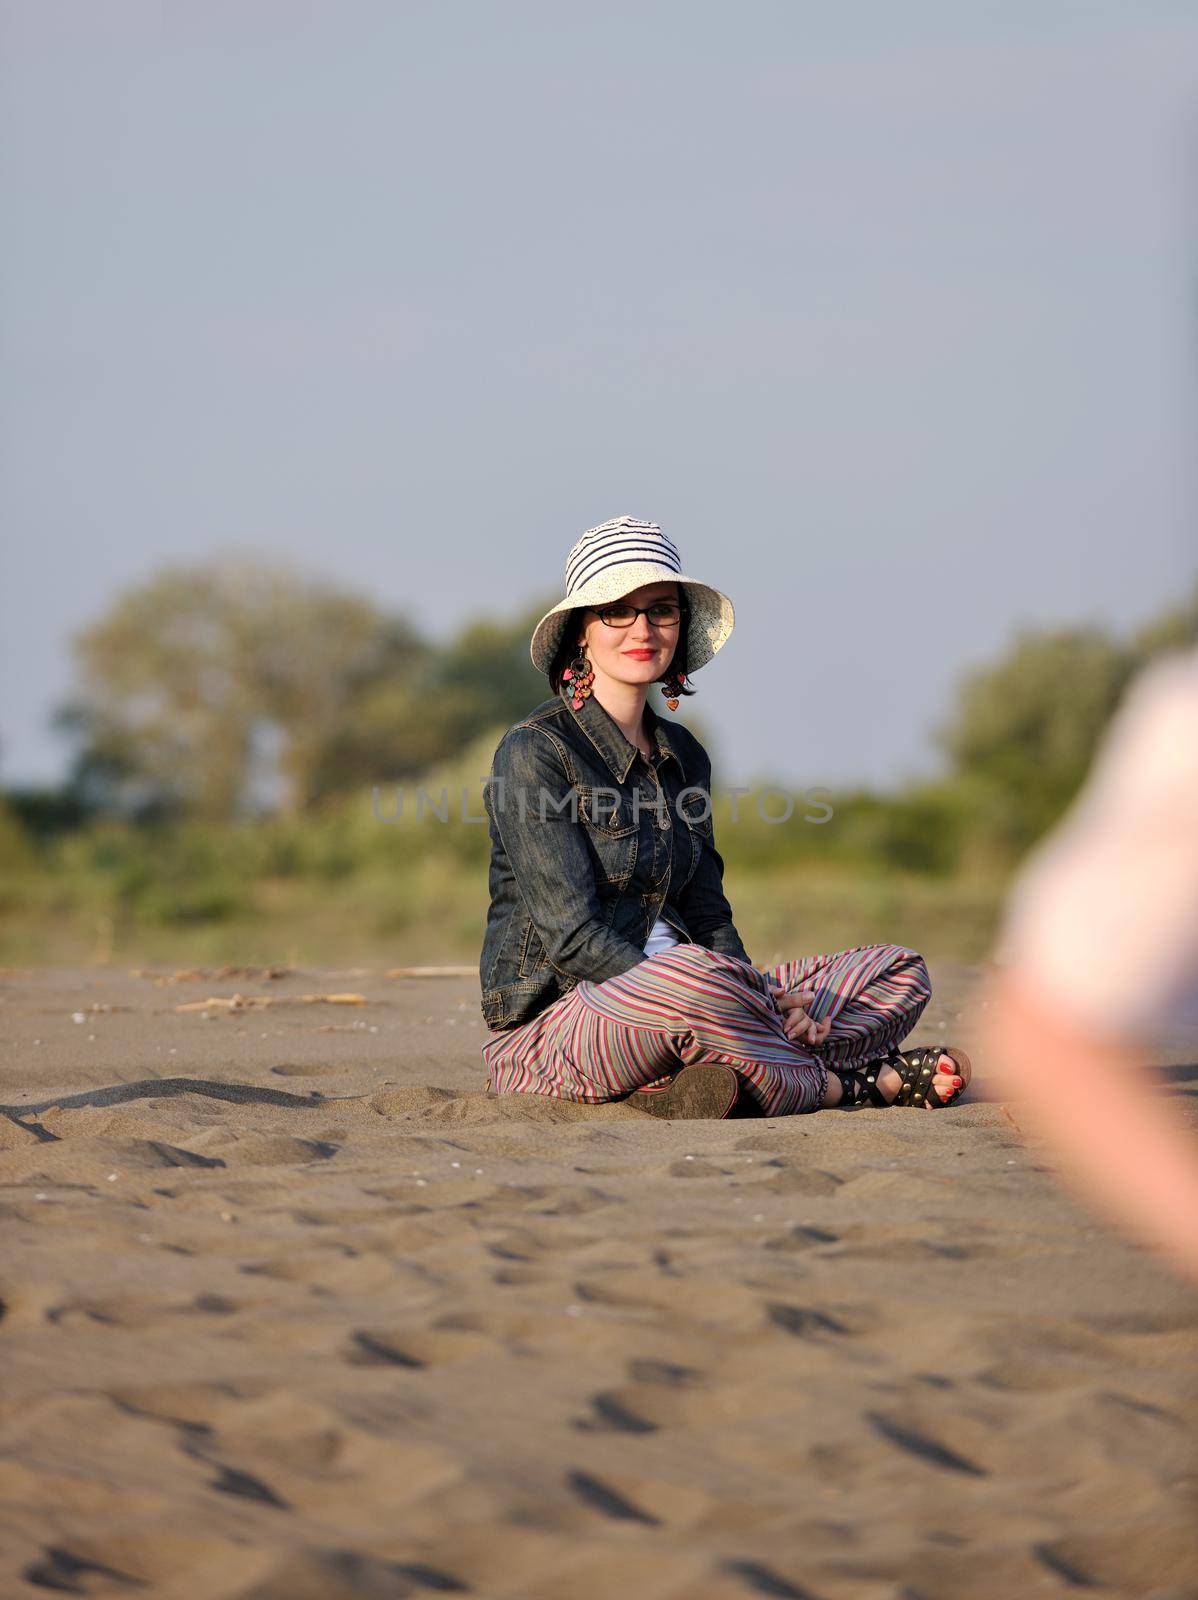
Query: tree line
x: 235, y: 688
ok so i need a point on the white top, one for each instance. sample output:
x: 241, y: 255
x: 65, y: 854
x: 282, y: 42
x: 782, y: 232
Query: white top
x: 1103, y: 918
x: 661, y: 937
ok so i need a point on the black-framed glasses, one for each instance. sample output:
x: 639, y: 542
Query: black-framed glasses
x: 662, y: 614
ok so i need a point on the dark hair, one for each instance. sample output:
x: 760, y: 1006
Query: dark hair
x: 567, y: 649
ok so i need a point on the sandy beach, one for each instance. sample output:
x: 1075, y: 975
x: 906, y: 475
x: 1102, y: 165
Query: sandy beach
x: 293, y: 1311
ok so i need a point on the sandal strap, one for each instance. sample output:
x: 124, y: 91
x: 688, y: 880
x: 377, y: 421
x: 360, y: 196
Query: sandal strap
x: 852, y: 1090
x: 917, y: 1068
x: 860, y: 1083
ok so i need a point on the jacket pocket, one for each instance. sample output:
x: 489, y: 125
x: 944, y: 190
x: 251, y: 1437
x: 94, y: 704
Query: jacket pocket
x: 695, y: 810
x: 606, y: 811
x: 495, y: 1012
x: 507, y: 1007
x: 533, y: 955
x: 490, y: 969
x: 611, y: 830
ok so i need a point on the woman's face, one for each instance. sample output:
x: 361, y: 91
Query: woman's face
x: 641, y: 652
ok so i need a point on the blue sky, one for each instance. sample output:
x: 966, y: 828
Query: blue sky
x: 884, y: 312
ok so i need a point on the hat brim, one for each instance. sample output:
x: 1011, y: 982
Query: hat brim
x: 711, y: 615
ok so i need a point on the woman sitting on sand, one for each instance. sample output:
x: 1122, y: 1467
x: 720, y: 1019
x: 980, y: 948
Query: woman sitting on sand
x: 611, y: 968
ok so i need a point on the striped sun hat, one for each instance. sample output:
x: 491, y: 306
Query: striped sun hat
x: 610, y: 561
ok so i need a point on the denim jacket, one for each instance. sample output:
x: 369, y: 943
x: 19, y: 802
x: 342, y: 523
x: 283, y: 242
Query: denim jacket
x: 590, y: 842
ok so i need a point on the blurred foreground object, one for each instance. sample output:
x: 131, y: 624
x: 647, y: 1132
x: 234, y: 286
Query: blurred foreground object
x: 1099, y: 961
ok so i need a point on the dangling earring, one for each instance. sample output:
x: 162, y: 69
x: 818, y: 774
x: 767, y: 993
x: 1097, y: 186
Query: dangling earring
x: 580, y: 675
x: 671, y: 686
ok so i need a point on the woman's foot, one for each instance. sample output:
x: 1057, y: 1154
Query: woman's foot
x: 928, y: 1079
x: 946, y: 1082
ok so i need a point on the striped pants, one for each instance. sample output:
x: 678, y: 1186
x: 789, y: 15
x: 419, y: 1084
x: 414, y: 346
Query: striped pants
x: 688, y: 1004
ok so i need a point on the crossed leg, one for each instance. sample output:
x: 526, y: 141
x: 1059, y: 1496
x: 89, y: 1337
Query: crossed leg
x: 874, y: 995
x: 688, y: 1005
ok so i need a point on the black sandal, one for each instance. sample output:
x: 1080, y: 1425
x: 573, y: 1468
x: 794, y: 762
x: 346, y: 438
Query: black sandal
x: 916, y: 1068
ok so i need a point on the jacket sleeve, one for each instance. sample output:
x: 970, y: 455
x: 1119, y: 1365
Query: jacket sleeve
x: 702, y: 902
x: 548, y: 854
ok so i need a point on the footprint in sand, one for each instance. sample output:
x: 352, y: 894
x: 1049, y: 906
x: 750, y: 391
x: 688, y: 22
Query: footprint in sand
x: 1116, y: 1564
x: 669, y: 1374
x: 610, y: 1502
x: 764, y: 1580
x: 799, y: 1238
x: 654, y: 1502
x: 132, y: 1563
x: 308, y: 1069
x: 339, y: 1270
x: 231, y: 1480
x: 694, y: 1169
x: 659, y: 1394
x: 61, y: 1568
x: 613, y: 1415
x: 138, y: 1311
x: 342, y: 1573
x: 417, y: 1349
x: 171, y: 1155
x: 189, y: 1405
x: 519, y: 1277
x: 789, y: 1179
x: 824, y: 1324
x: 545, y: 1200
x: 921, y: 1445
x: 273, y: 1150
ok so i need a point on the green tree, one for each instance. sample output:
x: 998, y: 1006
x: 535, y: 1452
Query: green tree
x: 1025, y: 728
x: 400, y: 727
x: 488, y: 664
x: 1176, y: 629
x: 185, y: 672
x: 239, y: 685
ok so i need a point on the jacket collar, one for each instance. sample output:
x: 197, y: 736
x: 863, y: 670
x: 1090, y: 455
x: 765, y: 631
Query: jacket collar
x: 605, y: 734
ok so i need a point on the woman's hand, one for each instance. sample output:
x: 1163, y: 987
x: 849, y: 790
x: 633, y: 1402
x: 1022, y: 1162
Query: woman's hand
x: 798, y: 1025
